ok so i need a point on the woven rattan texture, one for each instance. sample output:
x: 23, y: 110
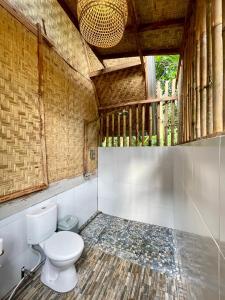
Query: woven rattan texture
x: 95, y: 64
x: 153, y: 11
x: 68, y: 100
x: 59, y: 29
x: 21, y: 165
x: 120, y: 86
x: 159, y: 38
x: 120, y: 61
x: 102, y: 22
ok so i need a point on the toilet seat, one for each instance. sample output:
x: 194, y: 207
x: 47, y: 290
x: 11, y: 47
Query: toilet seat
x: 63, y: 245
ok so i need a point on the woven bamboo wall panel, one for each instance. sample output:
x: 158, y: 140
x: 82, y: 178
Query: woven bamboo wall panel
x: 153, y: 11
x: 120, y: 86
x: 68, y: 100
x: 59, y: 29
x: 21, y: 165
x: 120, y: 61
x: 160, y: 37
x: 95, y: 64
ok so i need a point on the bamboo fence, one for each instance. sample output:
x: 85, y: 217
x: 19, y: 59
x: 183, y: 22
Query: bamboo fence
x: 130, y: 124
x: 201, y: 104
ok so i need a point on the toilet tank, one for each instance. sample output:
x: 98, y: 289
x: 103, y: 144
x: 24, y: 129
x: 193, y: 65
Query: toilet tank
x: 41, y: 223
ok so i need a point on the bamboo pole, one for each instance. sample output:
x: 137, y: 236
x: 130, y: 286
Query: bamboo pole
x: 223, y: 21
x: 166, y: 115
x: 203, y: 67
x: 143, y: 125
x: 180, y: 103
x: 173, y: 112
x: 192, y: 91
x: 130, y: 126
x: 137, y: 125
x: 217, y: 53
x: 40, y: 66
x: 166, y: 124
x: 107, y: 130
x: 118, y: 130
x: 185, y: 98
x: 101, y: 130
x: 209, y: 68
x: 159, y: 114
x: 158, y: 124
x: 194, y: 121
x: 124, y: 130
x: 150, y: 125
x: 198, y: 104
x: 172, y: 122
x: 113, y: 129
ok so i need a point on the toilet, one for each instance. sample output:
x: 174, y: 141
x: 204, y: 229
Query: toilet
x: 62, y: 249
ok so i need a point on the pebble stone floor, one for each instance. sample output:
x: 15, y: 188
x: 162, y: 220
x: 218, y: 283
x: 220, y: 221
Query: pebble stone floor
x: 122, y: 260
x: 140, y: 243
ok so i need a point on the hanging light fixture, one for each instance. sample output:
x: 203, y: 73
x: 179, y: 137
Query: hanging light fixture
x: 102, y: 22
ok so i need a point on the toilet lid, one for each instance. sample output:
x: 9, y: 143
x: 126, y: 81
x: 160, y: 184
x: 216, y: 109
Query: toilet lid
x: 63, y: 245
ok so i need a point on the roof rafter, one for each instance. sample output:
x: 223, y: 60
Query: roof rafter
x: 135, y: 27
x: 165, y: 51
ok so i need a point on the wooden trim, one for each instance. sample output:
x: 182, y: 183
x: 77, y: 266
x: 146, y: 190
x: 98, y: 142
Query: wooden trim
x: 85, y: 152
x: 113, y: 69
x: 41, y: 104
x: 151, y: 100
x: 135, y: 27
x: 145, y: 52
x: 25, y: 192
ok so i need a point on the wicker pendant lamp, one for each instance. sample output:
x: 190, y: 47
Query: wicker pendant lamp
x: 102, y: 22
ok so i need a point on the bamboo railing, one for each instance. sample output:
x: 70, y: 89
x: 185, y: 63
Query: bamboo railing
x: 132, y: 124
x: 201, y: 104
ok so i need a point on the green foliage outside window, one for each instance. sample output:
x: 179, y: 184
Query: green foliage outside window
x: 166, y: 67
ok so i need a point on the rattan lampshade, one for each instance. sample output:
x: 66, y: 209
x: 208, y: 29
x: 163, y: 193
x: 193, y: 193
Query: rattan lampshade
x: 102, y: 22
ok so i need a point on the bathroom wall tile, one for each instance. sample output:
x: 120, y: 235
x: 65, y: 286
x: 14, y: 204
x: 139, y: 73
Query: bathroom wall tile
x: 205, y: 191
x: 81, y: 201
x: 222, y: 277
x: 199, y: 259
x: 141, y: 188
x: 222, y: 196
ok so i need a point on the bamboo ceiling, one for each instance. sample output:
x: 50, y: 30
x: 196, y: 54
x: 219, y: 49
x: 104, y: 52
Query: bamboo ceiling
x: 157, y: 24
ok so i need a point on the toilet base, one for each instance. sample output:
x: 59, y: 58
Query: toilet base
x: 61, y: 280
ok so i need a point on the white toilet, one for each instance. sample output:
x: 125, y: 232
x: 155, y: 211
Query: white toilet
x: 62, y: 249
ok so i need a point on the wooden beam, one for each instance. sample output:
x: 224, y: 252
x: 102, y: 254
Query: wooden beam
x: 150, y: 100
x: 135, y: 26
x: 159, y: 25
x: 146, y: 52
x: 113, y: 69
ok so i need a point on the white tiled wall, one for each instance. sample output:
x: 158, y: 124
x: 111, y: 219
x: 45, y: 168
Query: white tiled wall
x: 137, y: 183
x: 80, y: 201
x: 199, y: 208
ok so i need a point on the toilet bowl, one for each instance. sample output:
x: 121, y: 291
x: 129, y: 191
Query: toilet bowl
x: 62, y: 250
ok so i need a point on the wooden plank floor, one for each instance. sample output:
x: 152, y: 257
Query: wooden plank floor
x: 104, y: 276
